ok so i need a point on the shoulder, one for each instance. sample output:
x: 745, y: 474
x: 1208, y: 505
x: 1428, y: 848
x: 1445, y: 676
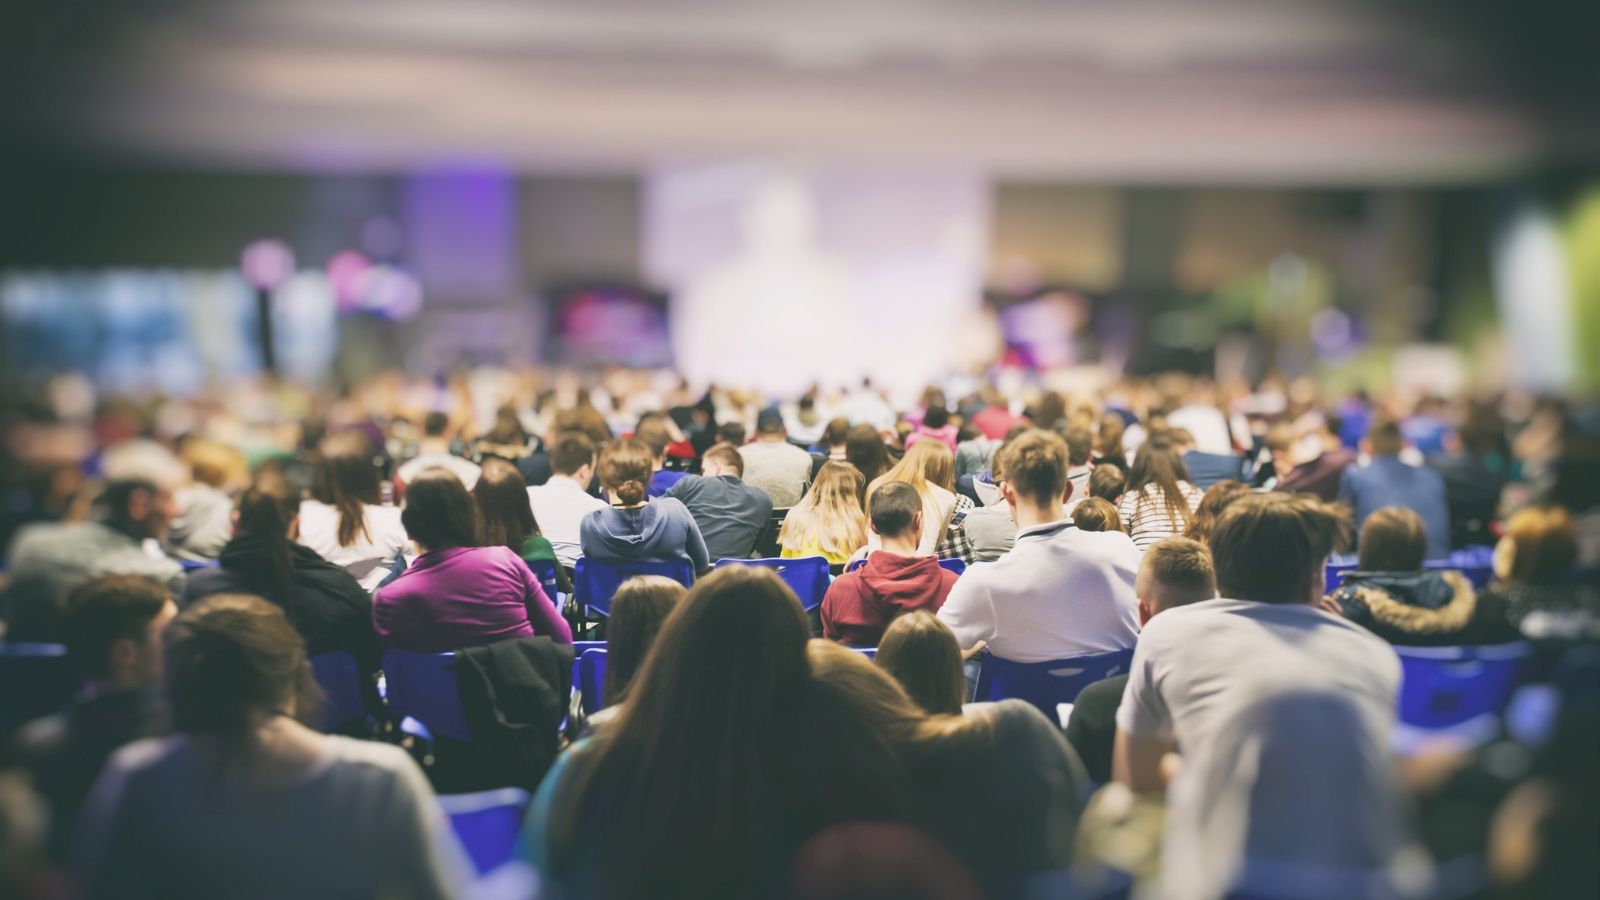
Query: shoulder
x: 143, y: 756
x: 369, y: 755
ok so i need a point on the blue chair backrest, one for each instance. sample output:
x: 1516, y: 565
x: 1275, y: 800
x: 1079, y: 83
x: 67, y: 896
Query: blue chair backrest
x: 591, y: 679
x: 423, y: 687
x: 1046, y: 684
x: 35, y: 680
x: 868, y: 652
x: 1467, y: 561
x: 807, y: 576
x: 487, y: 823
x: 595, y: 582
x: 1445, y: 686
x: 191, y: 565
x: 545, y: 571
x: 340, y: 679
x: 955, y: 565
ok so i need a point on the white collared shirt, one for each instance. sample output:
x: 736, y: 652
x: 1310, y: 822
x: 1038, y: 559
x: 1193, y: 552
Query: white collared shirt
x: 559, y: 505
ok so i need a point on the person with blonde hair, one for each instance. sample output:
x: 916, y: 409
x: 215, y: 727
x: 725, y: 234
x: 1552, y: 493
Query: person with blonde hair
x: 929, y: 467
x: 218, y: 471
x: 828, y: 520
x: 1534, y: 568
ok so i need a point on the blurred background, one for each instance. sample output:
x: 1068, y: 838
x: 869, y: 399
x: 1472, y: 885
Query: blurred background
x: 775, y: 194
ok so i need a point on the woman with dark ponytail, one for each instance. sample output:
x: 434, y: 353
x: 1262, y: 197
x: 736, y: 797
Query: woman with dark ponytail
x: 344, y: 520
x: 323, y: 601
x: 633, y: 529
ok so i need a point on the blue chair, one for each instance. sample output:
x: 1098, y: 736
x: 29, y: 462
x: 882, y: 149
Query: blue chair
x: 487, y: 823
x: 868, y: 652
x: 35, y: 680
x: 807, y: 576
x: 1047, y: 684
x: 591, y: 679
x: 595, y: 582
x: 1446, y: 688
x: 545, y: 571
x: 192, y: 565
x: 340, y: 679
x: 1467, y: 561
x: 422, y: 691
x: 955, y: 565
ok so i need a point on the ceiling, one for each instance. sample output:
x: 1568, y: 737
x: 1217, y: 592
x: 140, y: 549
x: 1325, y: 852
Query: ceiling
x: 1278, y: 91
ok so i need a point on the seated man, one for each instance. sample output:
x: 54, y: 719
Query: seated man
x: 773, y: 464
x: 1282, y: 712
x: 1060, y: 592
x: 730, y: 513
x: 859, y: 605
x: 134, y: 511
x: 434, y: 450
x: 564, y: 500
x: 1175, y: 572
x: 1389, y: 481
x: 113, y: 630
x: 655, y: 432
x: 1205, y: 469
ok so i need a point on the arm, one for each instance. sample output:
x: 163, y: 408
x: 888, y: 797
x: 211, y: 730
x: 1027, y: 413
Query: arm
x: 1136, y: 762
x: 1144, y: 724
x: 695, y: 544
x: 542, y: 614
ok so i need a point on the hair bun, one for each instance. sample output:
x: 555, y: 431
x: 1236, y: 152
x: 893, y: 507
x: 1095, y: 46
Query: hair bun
x: 630, y: 492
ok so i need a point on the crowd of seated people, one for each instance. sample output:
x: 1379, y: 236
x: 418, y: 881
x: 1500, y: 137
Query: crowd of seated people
x: 192, y: 578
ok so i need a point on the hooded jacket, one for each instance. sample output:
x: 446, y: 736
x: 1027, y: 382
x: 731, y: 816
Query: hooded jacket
x: 1428, y: 608
x: 859, y: 605
x: 659, y: 531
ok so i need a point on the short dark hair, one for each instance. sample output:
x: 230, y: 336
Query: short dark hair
x: 1393, y: 540
x: 1386, y: 439
x: 1107, y: 481
x: 893, y: 506
x: 730, y: 433
x: 1035, y: 465
x: 1080, y: 443
x: 435, y: 424
x: 439, y: 513
x: 108, y: 609
x: 728, y: 455
x: 571, y: 451
x: 118, y: 495
x: 1271, y: 547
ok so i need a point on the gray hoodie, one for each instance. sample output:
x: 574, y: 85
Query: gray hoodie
x: 660, y: 530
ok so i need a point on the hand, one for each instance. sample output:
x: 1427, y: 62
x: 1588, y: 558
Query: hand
x: 974, y: 650
x: 1330, y: 604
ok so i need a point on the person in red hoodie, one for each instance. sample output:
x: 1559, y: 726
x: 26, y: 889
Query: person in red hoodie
x: 859, y: 605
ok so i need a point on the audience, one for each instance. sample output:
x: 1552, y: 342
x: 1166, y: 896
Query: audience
x: 508, y: 520
x: 324, y: 602
x: 828, y: 520
x: 433, y: 451
x: 928, y: 469
x: 935, y: 425
x: 632, y: 528
x: 1060, y: 592
x: 1080, y: 447
x: 245, y: 800
x: 1159, y: 501
x: 774, y: 465
x: 1387, y: 481
x: 1205, y: 469
x: 894, y: 579
x: 1253, y: 688
x: 1095, y: 514
x: 835, y: 437
x: 1317, y: 460
x: 1535, y: 577
x: 48, y: 560
x: 639, y: 609
x: 1107, y: 482
x: 344, y: 521
x: 654, y: 433
x: 1108, y: 443
x: 1174, y: 572
x: 921, y: 653
x: 205, y: 522
x: 1217, y: 498
x: 458, y: 593
x: 864, y: 449
x: 1394, y: 597
x: 113, y: 626
x: 730, y: 513
x: 563, y: 502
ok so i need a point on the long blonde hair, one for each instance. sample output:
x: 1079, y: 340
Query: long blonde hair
x: 927, y: 462
x: 829, y: 515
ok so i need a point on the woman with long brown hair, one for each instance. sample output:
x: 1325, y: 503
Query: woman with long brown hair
x: 922, y: 654
x: 828, y: 521
x: 345, y: 521
x: 507, y: 518
x: 864, y: 448
x: 1159, y: 501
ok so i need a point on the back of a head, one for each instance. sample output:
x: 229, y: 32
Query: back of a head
x: 1271, y: 548
x: 927, y: 462
x: 865, y: 450
x: 639, y: 609
x: 348, y: 481
x: 216, y: 464
x: 1161, y: 467
x: 625, y: 469
x: 1112, y: 428
x: 836, y: 432
x: 435, y: 424
x: 1543, y: 546
x: 1217, y: 498
x: 571, y: 451
x: 1094, y: 514
x: 1385, y: 438
x: 653, y: 433
x: 108, y: 609
x: 936, y: 417
x: 1035, y: 465
x: 727, y: 456
x: 769, y: 423
x: 502, y: 501
x: 731, y: 433
x: 439, y: 514
x: 1080, y: 443
x: 265, y: 513
x: 232, y: 657
x: 1183, y: 569
x: 893, y: 507
x: 1393, y: 540
x: 921, y: 653
x: 1107, y: 482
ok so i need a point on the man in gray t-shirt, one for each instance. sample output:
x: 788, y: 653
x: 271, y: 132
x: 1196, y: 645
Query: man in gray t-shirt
x: 1282, y: 715
x: 730, y: 513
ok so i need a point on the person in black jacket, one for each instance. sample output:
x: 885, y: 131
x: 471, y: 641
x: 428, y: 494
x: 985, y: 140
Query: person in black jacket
x: 325, y: 603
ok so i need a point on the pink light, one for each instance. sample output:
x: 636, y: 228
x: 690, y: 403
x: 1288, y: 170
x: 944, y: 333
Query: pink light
x: 347, y: 272
x: 266, y: 263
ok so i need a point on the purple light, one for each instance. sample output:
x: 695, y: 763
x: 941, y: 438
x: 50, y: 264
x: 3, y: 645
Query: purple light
x: 266, y: 263
x: 347, y: 272
x: 391, y: 293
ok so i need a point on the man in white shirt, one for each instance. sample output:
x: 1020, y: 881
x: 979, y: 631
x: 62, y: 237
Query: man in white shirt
x: 773, y: 464
x: 1060, y: 592
x: 434, y: 450
x: 1282, y: 713
x: 562, y: 502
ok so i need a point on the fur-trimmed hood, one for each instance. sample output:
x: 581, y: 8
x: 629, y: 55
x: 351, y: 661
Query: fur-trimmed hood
x: 1420, y: 603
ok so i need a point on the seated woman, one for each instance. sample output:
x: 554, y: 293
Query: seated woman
x: 344, y: 521
x: 457, y: 593
x: 1535, y: 577
x: 1159, y: 501
x: 828, y: 520
x: 323, y: 601
x: 1394, y: 597
x: 508, y: 520
x: 921, y: 653
x: 632, y: 528
x: 929, y: 466
x: 638, y: 610
x: 713, y: 775
x: 1001, y: 762
x: 244, y: 800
